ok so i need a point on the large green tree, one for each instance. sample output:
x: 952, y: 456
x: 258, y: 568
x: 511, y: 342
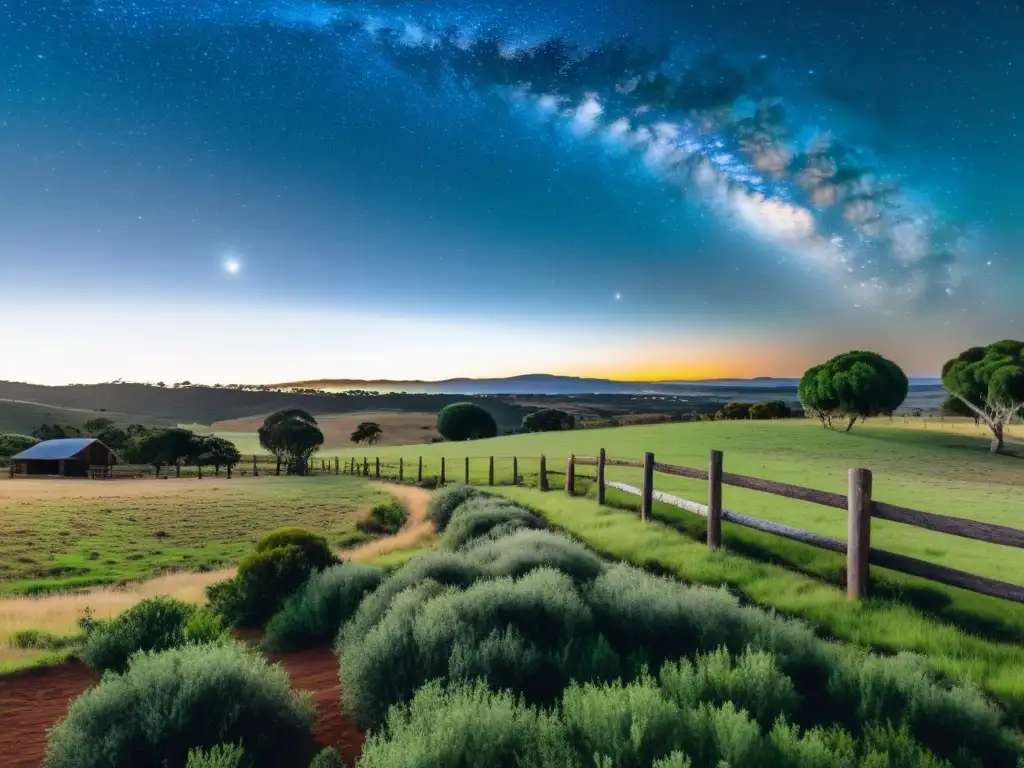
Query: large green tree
x: 465, y: 421
x: 293, y: 436
x: 851, y: 386
x: 548, y: 420
x: 163, y: 447
x: 217, y: 452
x: 990, y: 382
x: 368, y: 432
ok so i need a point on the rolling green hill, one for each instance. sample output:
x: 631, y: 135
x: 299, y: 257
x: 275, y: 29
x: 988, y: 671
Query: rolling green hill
x: 22, y: 417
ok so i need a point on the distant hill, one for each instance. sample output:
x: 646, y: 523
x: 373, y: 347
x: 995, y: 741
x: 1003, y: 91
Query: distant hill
x: 550, y: 384
x: 31, y: 404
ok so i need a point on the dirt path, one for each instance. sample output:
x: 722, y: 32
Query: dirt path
x: 416, y: 530
x: 34, y: 701
x: 58, y: 613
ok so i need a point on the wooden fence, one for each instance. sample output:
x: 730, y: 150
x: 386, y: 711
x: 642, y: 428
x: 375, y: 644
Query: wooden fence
x: 858, y: 503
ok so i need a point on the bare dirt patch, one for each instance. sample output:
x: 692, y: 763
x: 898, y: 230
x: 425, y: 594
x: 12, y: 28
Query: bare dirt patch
x: 400, y: 427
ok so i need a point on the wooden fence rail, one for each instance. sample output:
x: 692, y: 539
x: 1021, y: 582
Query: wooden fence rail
x: 860, y: 508
x: 858, y: 502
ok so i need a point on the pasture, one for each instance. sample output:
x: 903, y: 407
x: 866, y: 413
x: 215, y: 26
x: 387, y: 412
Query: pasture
x: 400, y: 428
x: 62, y: 534
x: 941, y: 469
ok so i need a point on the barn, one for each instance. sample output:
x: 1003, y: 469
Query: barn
x: 71, y: 457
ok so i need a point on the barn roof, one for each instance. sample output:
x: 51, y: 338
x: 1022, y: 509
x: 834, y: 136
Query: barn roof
x: 54, y: 450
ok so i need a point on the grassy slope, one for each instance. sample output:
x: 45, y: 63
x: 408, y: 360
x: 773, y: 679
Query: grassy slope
x: 22, y: 418
x: 882, y: 624
x: 939, y: 469
x: 55, y: 539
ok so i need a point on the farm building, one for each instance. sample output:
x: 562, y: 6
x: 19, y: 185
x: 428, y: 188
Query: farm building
x: 70, y: 457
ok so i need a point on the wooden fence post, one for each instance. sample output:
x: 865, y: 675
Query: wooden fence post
x: 715, y: 500
x: 255, y: 470
x: 647, y: 499
x: 366, y: 467
x: 467, y: 470
x: 601, y: 457
x: 543, y: 480
x: 570, y: 475
x: 442, y: 470
x: 229, y: 471
x: 376, y: 467
x: 200, y: 471
x: 337, y: 465
x: 515, y: 470
x: 277, y: 471
x: 858, y: 546
x: 419, y: 471
x: 490, y: 472
x: 401, y: 469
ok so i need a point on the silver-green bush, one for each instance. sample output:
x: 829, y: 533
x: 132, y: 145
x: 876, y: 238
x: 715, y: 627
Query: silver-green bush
x: 445, y: 501
x: 316, y: 612
x: 169, y: 703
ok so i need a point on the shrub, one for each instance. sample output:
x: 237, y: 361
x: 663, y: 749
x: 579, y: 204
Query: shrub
x: 469, y: 727
x: 653, y: 619
x: 220, y: 756
x: 226, y: 599
x: 751, y: 681
x: 316, y: 612
x: 619, y: 725
x: 43, y: 641
x: 328, y: 757
x: 446, y: 501
x: 548, y: 420
x: 155, y: 624
x: 441, y: 568
x: 384, y: 518
x: 314, y: 546
x: 478, y: 517
x: 169, y: 703
x: 533, y: 635
x: 466, y: 421
x: 524, y: 551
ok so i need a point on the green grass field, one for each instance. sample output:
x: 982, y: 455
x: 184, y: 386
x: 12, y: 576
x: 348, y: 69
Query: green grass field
x: 70, y: 534
x: 945, y: 470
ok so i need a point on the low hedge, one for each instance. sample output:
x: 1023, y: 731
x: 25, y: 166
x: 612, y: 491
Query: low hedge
x: 444, y: 503
x: 479, y: 517
x: 316, y: 612
x: 633, y: 725
x: 168, y: 704
x: 154, y: 624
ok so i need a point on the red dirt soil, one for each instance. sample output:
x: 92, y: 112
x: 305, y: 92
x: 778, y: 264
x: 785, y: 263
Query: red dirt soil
x: 32, y: 702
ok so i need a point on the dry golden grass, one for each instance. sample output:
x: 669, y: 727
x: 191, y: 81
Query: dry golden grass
x: 400, y: 427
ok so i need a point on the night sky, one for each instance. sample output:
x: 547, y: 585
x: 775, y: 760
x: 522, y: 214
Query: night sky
x: 254, y: 190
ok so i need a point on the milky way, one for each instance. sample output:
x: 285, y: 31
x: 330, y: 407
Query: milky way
x: 722, y: 130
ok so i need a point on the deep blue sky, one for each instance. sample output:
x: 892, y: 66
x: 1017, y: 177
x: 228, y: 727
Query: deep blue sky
x: 402, y: 202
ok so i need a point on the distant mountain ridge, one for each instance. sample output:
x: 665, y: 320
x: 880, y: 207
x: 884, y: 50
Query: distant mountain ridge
x: 553, y: 384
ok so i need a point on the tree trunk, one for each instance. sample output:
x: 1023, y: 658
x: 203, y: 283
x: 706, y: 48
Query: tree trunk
x: 849, y: 426
x: 996, y: 446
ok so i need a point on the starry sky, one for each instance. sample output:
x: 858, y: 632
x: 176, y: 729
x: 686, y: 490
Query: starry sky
x: 265, y: 190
